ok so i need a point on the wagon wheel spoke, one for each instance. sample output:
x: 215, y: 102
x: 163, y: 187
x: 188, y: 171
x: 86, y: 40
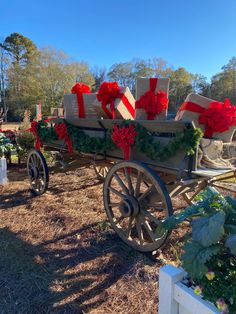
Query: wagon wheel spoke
x: 146, y: 193
x: 138, y: 184
x: 114, y: 204
x: 139, y: 230
x: 121, y: 183
x: 148, y: 228
x: 130, y: 225
x: 130, y: 185
x: 117, y: 192
x: 100, y: 170
x: 117, y: 220
x: 150, y: 216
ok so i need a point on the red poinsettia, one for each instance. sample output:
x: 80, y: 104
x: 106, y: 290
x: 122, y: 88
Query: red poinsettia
x: 219, y: 117
x: 124, y: 138
x: 153, y: 103
x: 62, y: 133
x: 34, y: 129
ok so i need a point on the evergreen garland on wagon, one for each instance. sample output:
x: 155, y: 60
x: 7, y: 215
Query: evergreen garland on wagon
x: 144, y: 141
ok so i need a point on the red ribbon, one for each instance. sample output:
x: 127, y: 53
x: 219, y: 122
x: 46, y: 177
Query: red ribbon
x: 62, y: 133
x: 124, y: 138
x: 107, y: 94
x: 219, y: 117
x: 79, y: 89
x: 34, y: 129
x: 152, y: 103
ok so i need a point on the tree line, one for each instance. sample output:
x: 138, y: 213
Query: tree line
x: 29, y: 74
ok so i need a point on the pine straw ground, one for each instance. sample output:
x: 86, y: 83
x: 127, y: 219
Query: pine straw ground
x: 59, y: 254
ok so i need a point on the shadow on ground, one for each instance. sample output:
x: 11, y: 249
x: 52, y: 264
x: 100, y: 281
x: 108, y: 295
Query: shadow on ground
x: 51, y: 277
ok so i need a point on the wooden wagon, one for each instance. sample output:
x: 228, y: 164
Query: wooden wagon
x: 137, y: 192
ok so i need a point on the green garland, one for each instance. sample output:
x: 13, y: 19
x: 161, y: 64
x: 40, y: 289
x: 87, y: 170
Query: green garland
x: 187, y: 141
x: 144, y: 142
x: 82, y: 142
x: 47, y: 134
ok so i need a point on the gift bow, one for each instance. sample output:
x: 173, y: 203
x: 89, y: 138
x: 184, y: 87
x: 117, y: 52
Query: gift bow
x: 219, y: 117
x: 107, y: 95
x: 124, y: 138
x: 79, y: 89
x: 34, y: 129
x: 62, y: 133
x: 152, y: 103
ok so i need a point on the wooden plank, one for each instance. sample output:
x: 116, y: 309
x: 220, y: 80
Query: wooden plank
x: 169, y: 126
x: 210, y: 173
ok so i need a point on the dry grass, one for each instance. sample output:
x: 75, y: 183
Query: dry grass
x: 10, y: 126
x: 59, y: 255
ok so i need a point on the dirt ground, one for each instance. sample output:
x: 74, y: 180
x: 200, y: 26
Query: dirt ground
x: 59, y: 254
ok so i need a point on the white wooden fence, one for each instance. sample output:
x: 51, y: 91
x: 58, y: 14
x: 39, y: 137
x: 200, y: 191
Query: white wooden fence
x: 3, y: 171
x: 176, y: 298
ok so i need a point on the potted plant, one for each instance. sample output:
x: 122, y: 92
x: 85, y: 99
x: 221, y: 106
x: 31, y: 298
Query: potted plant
x: 209, y: 253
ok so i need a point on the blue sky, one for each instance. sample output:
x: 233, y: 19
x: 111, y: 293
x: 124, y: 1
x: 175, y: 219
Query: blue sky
x: 196, y: 34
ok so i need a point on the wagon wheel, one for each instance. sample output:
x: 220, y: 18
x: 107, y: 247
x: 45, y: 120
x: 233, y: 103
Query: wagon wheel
x: 136, y: 200
x: 190, y: 197
x: 37, y: 172
x: 101, y: 171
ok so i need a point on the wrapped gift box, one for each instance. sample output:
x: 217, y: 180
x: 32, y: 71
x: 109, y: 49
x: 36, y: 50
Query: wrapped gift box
x: 188, y: 115
x: 71, y: 107
x: 143, y: 85
x: 124, y: 107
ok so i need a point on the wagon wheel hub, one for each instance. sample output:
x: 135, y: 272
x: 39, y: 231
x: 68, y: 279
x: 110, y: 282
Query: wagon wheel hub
x: 129, y: 207
x: 34, y: 172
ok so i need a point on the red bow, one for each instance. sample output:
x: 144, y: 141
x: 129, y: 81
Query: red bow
x: 153, y: 103
x: 219, y: 117
x: 62, y: 133
x: 107, y: 94
x: 79, y: 89
x: 34, y: 129
x: 124, y: 138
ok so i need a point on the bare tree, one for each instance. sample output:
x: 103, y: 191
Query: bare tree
x: 3, y: 74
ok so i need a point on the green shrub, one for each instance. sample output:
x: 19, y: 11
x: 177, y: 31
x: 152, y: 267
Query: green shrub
x: 25, y: 141
x: 210, y: 252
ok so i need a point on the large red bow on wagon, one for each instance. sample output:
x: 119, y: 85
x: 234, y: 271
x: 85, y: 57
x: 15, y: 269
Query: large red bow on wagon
x: 62, y: 133
x: 34, y: 129
x: 124, y: 138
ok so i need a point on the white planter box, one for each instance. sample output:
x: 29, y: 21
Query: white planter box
x: 3, y: 171
x: 176, y: 298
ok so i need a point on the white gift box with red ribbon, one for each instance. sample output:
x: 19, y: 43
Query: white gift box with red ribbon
x: 123, y: 107
x: 209, y: 115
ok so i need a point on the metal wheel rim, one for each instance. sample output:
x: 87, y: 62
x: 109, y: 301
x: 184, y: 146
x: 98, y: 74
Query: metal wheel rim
x: 143, y: 220
x: 37, y: 172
